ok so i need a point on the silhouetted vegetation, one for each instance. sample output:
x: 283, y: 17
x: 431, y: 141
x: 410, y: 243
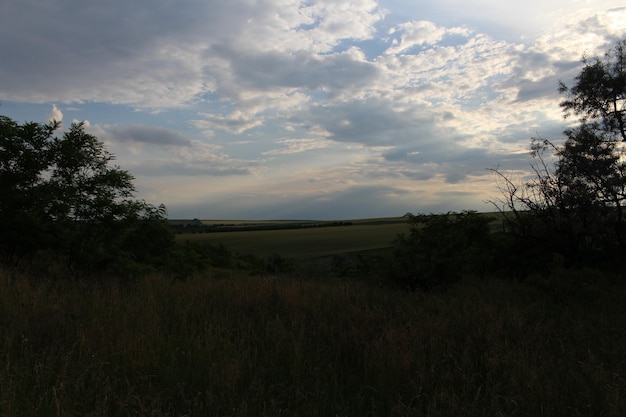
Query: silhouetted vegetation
x: 62, y: 197
x: 192, y: 258
x: 569, y: 215
x: 573, y: 207
x: 441, y: 248
x: 182, y: 227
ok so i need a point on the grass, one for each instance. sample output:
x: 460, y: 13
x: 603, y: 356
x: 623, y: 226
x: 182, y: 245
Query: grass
x: 227, y: 344
x: 306, y: 243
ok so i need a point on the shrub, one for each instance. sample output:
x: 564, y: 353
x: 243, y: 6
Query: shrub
x: 439, y: 249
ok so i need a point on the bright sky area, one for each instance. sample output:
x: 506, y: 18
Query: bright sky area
x: 304, y: 109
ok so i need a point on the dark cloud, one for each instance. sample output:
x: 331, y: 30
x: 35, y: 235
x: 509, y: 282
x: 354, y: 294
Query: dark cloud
x: 356, y: 202
x: 522, y: 133
x: 351, y: 203
x: 547, y: 86
x: 543, y: 88
x: 369, y: 122
x: 116, y: 51
x: 305, y: 70
x: 150, y: 53
x: 455, y: 164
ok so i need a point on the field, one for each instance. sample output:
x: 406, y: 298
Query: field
x: 228, y: 344
x: 310, y: 242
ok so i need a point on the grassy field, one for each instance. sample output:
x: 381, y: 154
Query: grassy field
x: 227, y: 344
x: 362, y: 235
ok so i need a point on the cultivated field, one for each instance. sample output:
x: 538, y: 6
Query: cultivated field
x: 309, y: 242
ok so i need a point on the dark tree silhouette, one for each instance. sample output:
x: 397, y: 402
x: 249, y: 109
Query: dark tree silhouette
x: 575, y: 205
x: 63, y: 194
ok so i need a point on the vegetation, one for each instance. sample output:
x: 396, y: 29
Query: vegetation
x: 575, y: 207
x: 439, y: 248
x: 570, y: 213
x: 62, y: 196
x: 227, y: 344
x: 217, y: 227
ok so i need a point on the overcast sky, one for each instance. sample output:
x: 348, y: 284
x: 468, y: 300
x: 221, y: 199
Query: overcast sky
x: 304, y: 109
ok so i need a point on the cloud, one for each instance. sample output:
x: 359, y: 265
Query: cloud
x: 319, y: 97
x: 292, y: 146
x: 353, y: 202
x: 236, y: 122
x: 160, y: 54
x: 417, y: 33
x: 73, y: 40
x: 164, y: 168
x: 301, y: 70
x: 192, y: 162
x: 373, y: 122
x: 144, y: 134
x: 55, y: 114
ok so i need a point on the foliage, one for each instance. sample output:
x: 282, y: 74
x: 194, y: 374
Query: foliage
x: 440, y: 248
x: 63, y: 194
x: 24, y: 156
x: 600, y: 92
x: 574, y: 206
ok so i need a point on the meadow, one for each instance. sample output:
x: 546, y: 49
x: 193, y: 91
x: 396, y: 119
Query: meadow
x: 224, y: 343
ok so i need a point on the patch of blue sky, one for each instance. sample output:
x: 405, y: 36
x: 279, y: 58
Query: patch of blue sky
x: 372, y: 48
x: 93, y: 112
x: 25, y: 112
x: 453, y: 39
x: 308, y: 26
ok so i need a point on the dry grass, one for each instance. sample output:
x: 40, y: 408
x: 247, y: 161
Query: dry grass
x: 232, y: 345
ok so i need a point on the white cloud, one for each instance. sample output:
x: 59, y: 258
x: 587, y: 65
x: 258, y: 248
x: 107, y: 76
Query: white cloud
x: 417, y: 33
x: 55, y: 114
x: 236, y: 122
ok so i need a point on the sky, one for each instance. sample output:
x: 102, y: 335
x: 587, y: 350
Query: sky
x: 305, y: 109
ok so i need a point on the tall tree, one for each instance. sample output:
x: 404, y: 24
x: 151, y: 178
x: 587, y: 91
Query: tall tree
x: 576, y: 205
x: 64, y: 193
x: 90, y: 198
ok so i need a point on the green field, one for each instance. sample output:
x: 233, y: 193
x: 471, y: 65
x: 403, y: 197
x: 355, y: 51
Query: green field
x: 362, y: 235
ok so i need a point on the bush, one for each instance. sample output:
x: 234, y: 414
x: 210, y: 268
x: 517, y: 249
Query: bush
x: 194, y: 257
x: 442, y: 248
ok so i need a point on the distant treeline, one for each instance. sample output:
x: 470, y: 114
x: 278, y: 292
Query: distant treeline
x: 191, y: 227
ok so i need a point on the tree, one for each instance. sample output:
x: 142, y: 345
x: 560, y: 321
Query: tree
x: 64, y: 193
x: 24, y: 157
x: 575, y: 206
x: 91, y: 200
x: 600, y: 92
